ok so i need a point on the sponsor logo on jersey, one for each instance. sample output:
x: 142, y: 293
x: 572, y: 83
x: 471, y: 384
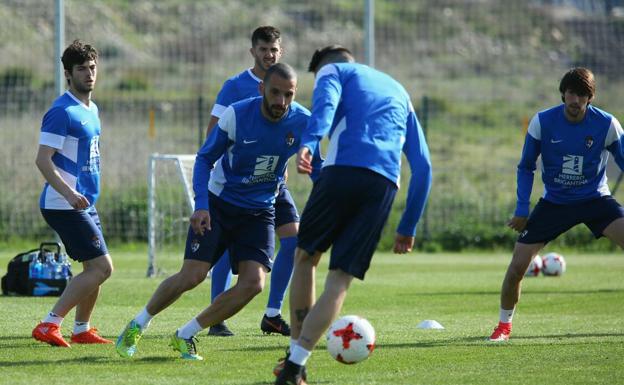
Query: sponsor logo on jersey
x: 264, y: 171
x: 572, y: 165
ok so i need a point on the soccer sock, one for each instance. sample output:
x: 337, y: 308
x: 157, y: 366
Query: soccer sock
x: 54, y: 318
x: 299, y: 355
x: 81, y: 327
x: 506, y: 315
x: 293, y: 343
x: 143, y: 318
x: 272, y: 312
x: 280, y: 274
x: 221, y: 277
x: 190, y: 329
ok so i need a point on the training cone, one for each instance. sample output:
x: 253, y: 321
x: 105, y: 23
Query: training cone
x: 430, y: 324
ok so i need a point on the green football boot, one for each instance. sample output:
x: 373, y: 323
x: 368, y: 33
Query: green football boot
x: 185, y: 346
x: 126, y: 344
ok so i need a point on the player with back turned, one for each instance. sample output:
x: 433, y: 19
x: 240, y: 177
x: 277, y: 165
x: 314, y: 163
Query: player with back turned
x: 370, y: 120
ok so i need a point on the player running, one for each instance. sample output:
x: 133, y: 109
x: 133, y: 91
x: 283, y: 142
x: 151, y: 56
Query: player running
x: 236, y: 178
x: 266, y: 49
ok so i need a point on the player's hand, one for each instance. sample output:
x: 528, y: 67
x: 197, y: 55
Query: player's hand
x: 200, y: 221
x: 77, y: 200
x: 304, y: 161
x: 517, y: 223
x: 403, y: 244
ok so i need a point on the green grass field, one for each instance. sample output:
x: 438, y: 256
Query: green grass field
x: 568, y: 330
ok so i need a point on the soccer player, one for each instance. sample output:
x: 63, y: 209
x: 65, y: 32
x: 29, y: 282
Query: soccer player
x: 69, y: 160
x: 369, y: 119
x: 266, y: 50
x: 234, y: 207
x: 574, y: 140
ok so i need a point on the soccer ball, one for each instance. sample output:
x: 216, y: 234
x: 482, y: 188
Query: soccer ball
x: 553, y: 264
x: 534, y: 267
x: 350, y: 339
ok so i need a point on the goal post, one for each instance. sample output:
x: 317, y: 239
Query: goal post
x: 170, y: 205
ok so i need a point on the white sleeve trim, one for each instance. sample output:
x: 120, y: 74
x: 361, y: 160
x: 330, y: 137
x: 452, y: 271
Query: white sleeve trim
x: 227, y: 123
x: 615, y: 132
x: 52, y: 140
x: 535, y: 129
x: 327, y: 69
x: 217, y: 110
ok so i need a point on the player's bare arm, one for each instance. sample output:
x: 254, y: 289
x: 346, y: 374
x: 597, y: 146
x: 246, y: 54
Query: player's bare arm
x: 200, y: 221
x: 52, y: 176
x: 517, y: 223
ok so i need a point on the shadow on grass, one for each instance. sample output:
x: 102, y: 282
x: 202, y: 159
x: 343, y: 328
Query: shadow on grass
x: 91, y: 360
x: 524, y: 291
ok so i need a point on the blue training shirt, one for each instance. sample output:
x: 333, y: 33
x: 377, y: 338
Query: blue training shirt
x: 238, y: 87
x: 370, y: 119
x: 73, y: 129
x: 574, y: 156
x: 248, y: 155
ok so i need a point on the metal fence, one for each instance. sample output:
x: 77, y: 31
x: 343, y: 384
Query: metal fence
x: 476, y: 70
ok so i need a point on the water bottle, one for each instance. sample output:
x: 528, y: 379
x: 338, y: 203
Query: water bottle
x: 34, y: 270
x: 48, y: 265
x: 65, y: 266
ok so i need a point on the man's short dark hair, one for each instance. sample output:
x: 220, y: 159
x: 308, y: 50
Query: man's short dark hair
x: 580, y: 81
x: 330, y: 54
x: 265, y: 33
x: 78, y: 53
x: 282, y: 70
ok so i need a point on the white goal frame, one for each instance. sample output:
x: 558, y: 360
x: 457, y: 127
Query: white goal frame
x: 187, y: 185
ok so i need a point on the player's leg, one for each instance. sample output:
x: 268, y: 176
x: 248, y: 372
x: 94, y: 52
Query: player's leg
x: 199, y: 255
x: 615, y: 232
x: 81, y: 233
x: 286, y: 228
x: 302, y: 289
x: 249, y: 284
x: 546, y: 222
x: 220, y: 281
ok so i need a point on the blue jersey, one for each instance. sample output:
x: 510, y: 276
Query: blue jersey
x: 370, y: 119
x: 239, y: 87
x: 249, y: 154
x: 574, y: 156
x: 73, y: 129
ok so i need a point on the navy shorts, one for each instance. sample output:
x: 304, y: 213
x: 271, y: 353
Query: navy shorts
x: 549, y: 220
x: 80, y: 232
x: 347, y: 209
x: 285, y: 209
x: 248, y: 234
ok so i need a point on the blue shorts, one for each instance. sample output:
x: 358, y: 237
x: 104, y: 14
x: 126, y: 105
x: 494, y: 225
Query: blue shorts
x: 549, y: 220
x: 347, y: 209
x: 80, y: 232
x: 248, y: 234
x: 285, y: 209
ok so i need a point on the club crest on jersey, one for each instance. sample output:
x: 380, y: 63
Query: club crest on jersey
x: 95, y: 241
x: 290, y: 139
x: 194, y: 245
x: 589, y: 141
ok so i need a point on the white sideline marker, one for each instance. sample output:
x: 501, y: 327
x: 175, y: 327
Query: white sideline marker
x: 430, y: 324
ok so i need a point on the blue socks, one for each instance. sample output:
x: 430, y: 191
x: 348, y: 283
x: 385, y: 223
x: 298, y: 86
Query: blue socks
x: 221, y: 276
x: 282, y: 270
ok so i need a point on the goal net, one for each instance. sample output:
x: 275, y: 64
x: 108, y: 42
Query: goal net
x: 170, y: 205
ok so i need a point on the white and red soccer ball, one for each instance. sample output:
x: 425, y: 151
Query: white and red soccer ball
x: 553, y: 264
x: 535, y: 267
x: 350, y: 339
